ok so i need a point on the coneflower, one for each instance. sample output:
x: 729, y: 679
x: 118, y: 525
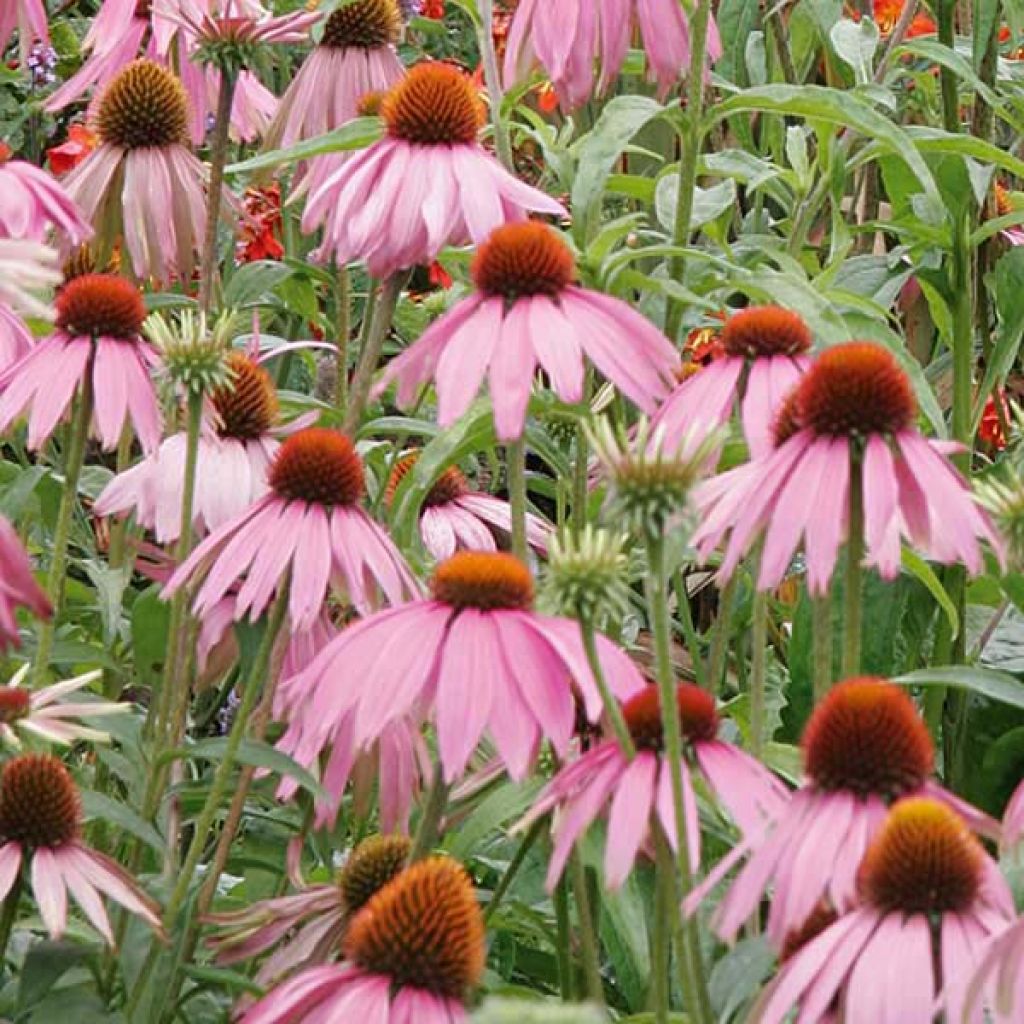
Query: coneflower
x: 32, y: 204
x: 427, y: 184
x: 529, y: 312
x: 312, y: 522
x: 413, y: 953
x: 142, y: 184
x: 928, y: 900
x: 40, y: 824
x: 96, y: 342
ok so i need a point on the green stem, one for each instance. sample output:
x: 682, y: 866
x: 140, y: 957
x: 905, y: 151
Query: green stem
x: 492, y: 79
x: 657, y: 607
x: 720, y: 636
x: 218, y: 160
x: 821, y: 640
x: 690, y: 630
x: 429, y: 830
x: 563, y: 938
x: 612, y: 707
x: 515, y: 469
x: 74, y: 461
x: 8, y: 916
x: 518, y: 858
x: 119, y: 527
x: 344, y: 329
x: 377, y: 324
x: 945, y: 15
x: 759, y: 642
x: 580, y: 488
x: 691, y: 141
x: 589, y: 945
x: 852, y: 626
x: 661, y: 946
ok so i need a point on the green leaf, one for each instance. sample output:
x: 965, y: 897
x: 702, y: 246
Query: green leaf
x: 924, y: 573
x: 1008, y: 285
x: 855, y: 42
x: 253, y: 282
x: 708, y: 203
x: 599, y: 150
x: 222, y: 977
x: 736, y: 978
x: 986, y: 682
x: 45, y: 963
x: 254, y: 753
x: 528, y: 1011
x: 500, y: 808
x: 97, y: 805
x: 357, y: 134
x: 821, y: 103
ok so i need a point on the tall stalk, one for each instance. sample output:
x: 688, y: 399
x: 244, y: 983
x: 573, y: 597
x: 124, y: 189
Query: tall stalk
x: 691, y: 966
x: 8, y: 915
x: 492, y: 80
x: 73, y: 462
x: 429, y: 830
x: 691, y: 141
x: 758, y: 673
x: 515, y: 469
x: 612, y: 708
x: 821, y: 645
x: 377, y: 322
x: 589, y: 945
x: 852, y: 625
x: 218, y: 161
x: 343, y: 329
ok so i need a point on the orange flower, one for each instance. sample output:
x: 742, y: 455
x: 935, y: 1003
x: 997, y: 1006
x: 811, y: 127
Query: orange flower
x: 990, y: 430
x: 887, y: 14
x: 68, y: 155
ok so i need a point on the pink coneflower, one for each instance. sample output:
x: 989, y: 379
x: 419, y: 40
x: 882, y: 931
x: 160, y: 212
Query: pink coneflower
x: 28, y: 19
x: 411, y: 954
x: 638, y: 792
x: 97, y: 338
x: 236, y: 450
x: 865, y: 746
x: 40, y: 822
x: 142, y: 184
x: 475, y: 654
x: 998, y: 982
x: 426, y: 185
x: 18, y: 587
x: 566, y: 38
x: 356, y: 55
x: 44, y: 713
x: 928, y: 899
x: 306, y: 928
x: 310, y: 523
x: 15, y: 337
x: 456, y: 518
x: 26, y: 268
x: 32, y: 203
x: 850, y: 420
x: 527, y: 312
x: 764, y: 355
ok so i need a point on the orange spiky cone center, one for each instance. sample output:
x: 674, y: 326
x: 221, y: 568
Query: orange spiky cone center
x: 373, y: 863
x: 435, y: 104
x: 366, y: 24
x: 144, y: 107
x: 39, y: 803
x: 867, y: 738
x: 100, y: 306
x: 319, y: 466
x: 698, y: 719
x: 762, y: 331
x: 485, y: 580
x: 520, y: 260
x: 246, y: 406
x: 423, y: 929
x: 451, y: 484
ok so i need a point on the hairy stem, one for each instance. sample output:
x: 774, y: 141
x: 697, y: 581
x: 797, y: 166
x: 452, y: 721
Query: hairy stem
x: 852, y: 626
x: 612, y: 708
x: 429, y: 830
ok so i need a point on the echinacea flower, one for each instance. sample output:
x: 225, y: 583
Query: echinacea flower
x: 15, y: 337
x: 764, y: 354
x: 311, y: 523
x: 427, y: 184
x: 355, y: 56
x: 305, y: 928
x: 474, y: 654
x: 32, y: 204
x: 40, y: 824
x: 28, y: 19
x: 928, y: 899
x: 567, y: 37
x: 142, y: 185
x: 96, y: 340
x: 236, y: 449
x: 528, y: 312
x: 18, y: 587
x: 27, y: 268
x: 412, y: 953
x: 850, y: 423
x: 998, y: 983
x: 45, y: 714
x: 456, y: 518
x: 637, y: 792
x: 865, y: 746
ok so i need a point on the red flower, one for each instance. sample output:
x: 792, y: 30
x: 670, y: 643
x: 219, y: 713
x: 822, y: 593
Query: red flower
x: 433, y: 9
x: 990, y: 430
x: 260, y: 232
x: 68, y: 155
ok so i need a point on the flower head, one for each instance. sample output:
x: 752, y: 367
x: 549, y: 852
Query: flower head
x: 637, y: 793
x: 853, y: 412
x: 929, y: 896
x: 373, y: 210
x: 586, y: 576
x: 413, y: 952
x: 364, y: 24
x: 40, y: 820
x: 475, y: 656
x: 193, y: 350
